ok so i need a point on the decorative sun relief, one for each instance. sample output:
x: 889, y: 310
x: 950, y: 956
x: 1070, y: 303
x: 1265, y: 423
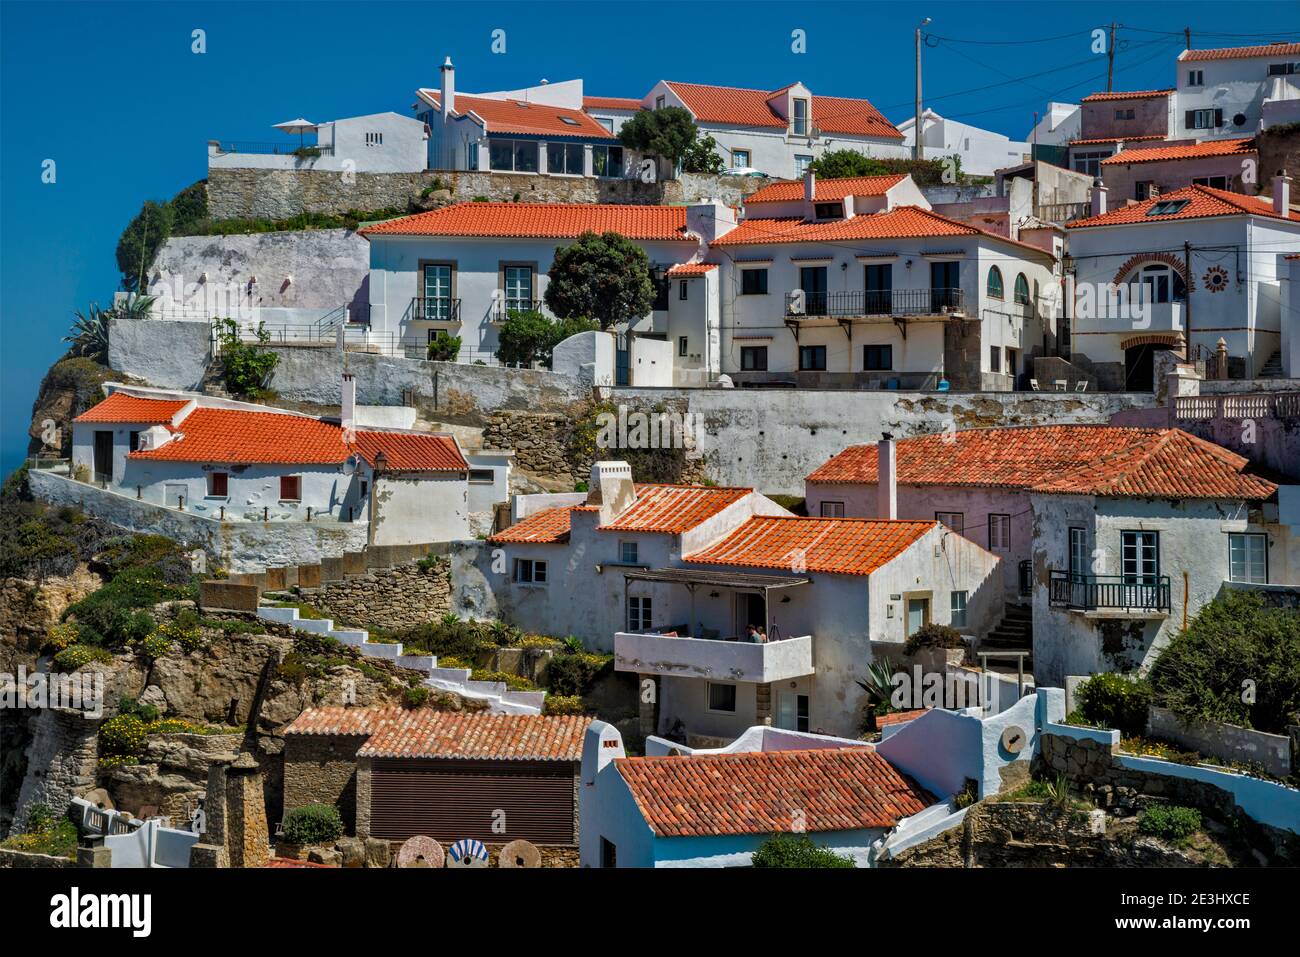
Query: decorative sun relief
x: 1215, y: 279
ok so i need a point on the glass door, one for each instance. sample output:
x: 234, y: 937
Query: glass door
x: 918, y: 614
x: 437, y: 293
x: 945, y: 285
x: 880, y: 289
x: 792, y: 711
x: 1140, y: 566
x: 812, y: 280
x: 519, y: 288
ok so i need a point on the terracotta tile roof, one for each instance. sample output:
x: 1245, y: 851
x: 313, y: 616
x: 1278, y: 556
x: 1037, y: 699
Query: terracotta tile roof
x: 673, y: 508
x: 610, y: 103
x: 841, y: 546
x: 738, y: 107
x: 1204, y: 202
x: 120, y: 407
x: 1096, y: 459
x: 550, y: 526
x: 833, y: 789
x: 827, y: 190
x: 1154, y: 154
x: 898, y: 717
x: 540, y: 221
x: 424, y: 733
x: 1234, y: 53
x: 688, y: 270
x: 237, y: 436
x: 522, y: 117
x: 1114, y: 139
x: 1131, y: 95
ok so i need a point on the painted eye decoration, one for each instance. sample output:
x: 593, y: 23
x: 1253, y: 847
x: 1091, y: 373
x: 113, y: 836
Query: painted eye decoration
x: 1215, y: 279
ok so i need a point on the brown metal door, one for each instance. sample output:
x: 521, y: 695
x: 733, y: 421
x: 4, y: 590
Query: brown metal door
x: 449, y: 800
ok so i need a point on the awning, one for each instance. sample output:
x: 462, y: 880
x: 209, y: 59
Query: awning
x: 720, y: 579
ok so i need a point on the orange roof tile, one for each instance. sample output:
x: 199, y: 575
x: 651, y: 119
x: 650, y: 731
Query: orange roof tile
x: 120, y: 407
x: 550, y: 526
x: 841, y: 546
x: 1234, y: 53
x: 827, y: 190
x: 830, y: 114
x: 673, y: 508
x: 1203, y: 202
x: 1115, y: 139
x: 764, y: 792
x: 540, y: 221
x: 239, y: 436
x: 1131, y: 95
x: 1154, y: 154
x: 898, y: 717
x: 689, y: 270
x: 610, y: 103
x: 523, y: 117
x: 1095, y: 459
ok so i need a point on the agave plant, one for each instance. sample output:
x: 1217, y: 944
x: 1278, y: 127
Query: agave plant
x: 135, y: 306
x: 879, y: 686
x: 89, y: 333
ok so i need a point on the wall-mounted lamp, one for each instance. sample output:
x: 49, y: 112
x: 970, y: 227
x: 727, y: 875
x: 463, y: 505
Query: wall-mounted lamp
x: 714, y: 594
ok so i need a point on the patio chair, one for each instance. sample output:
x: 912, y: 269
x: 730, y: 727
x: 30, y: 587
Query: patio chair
x: 1081, y: 385
x: 1033, y: 385
x: 1062, y: 385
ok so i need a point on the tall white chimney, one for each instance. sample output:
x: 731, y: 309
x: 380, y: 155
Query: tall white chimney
x: 1281, y: 193
x: 448, y: 89
x: 886, y: 477
x: 348, y: 415
x: 611, y: 489
x: 809, y: 186
x: 1098, y: 198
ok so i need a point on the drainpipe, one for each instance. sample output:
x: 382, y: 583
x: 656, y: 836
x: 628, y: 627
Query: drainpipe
x: 1187, y: 306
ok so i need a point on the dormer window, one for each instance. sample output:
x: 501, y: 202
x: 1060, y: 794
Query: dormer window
x: 799, y: 118
x: 828, y: 210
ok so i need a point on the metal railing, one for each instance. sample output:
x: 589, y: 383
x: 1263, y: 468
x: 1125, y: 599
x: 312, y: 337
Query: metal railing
x: 1248, y: 405
x: 274, y: 148
x: 1062, y: 212
x: 1025, y: 577
x: 886, y: 302
x: 1093, y: 592
x: 504, y: 309
x: 435, y: 309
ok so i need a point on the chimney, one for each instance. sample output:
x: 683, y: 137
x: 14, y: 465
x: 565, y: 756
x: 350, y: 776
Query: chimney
x: 448, y: 98
x: 1281, y: 193
x: 1098, y: 198
x: 611, y: 488
x: 348, y: 414
x: 886, y: 477
x: 809, y: 186
x: 710, y: 219
x: 156, y: 436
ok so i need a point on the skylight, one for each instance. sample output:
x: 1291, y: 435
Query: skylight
x: 1168, y: 207
x: 569, y: 120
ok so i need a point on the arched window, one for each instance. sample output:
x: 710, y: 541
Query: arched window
x: 1161, y: 284
x: 1022, y: 289
x: 995, y: 283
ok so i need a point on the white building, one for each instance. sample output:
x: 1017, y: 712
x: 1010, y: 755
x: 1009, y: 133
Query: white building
x: 670, y: 578
x: 779, y: 132
x: 1181, y: 271
x: 982, y: 152
x: 1058, y: 124
x: 238, y: 462
x: 376, y: 143
x: 1237, y: 91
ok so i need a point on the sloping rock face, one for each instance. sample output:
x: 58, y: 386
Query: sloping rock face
x: 172, y: 775
x: 28, y: 609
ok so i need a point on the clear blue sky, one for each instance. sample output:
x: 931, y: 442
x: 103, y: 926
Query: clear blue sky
x: 113, y: 94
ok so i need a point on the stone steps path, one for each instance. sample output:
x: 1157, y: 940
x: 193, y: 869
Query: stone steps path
x: 500, y: 699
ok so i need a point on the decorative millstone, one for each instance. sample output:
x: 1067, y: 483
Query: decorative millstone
x: 520, y: 853
x: 420, y: 851
x: 467, y: 853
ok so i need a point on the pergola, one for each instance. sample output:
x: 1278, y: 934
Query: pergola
x: 693, y: 578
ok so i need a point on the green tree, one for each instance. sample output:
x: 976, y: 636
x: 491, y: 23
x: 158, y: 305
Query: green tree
x: 702, y: 156
x: 603, y: 278
x: 245, y: 367
x: 140, y: 242
x: 797, y: 850
x: 443, y: 347
x: 839, y: 164
x: 667, y: 132
x: 528, y: 338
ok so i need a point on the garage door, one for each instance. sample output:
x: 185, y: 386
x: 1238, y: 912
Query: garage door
x: 450, y: 800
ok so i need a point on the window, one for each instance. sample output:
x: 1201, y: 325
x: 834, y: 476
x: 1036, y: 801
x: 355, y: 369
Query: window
x: 801, y: 164
x: 753, y: 282
x: 828, y: 210
x: 681, y: 292
x: 607, y: 122
x: 1214, y: 182
x: 957, y: 609
x: 792, y: 711
x: 627, y: 553
x: 564, y: 158
x: 663, y: 286
x: 799, y: 118
x: 995, y: 358
x: 471, y: 156
x: 683, y: 346
x: 219, y: 484
x: 1160, y: 284
x: 1022, y: 289
x: 290, y: 488
x: 722, y: 698
x: 878, y: 281
x: 753, y: 358
x: 1078, y: 558
x: 482, y: 476
x: 659, y: 102
x: 638, y: 613
x: 1125, y: 114
x: 1195, y: 77
x: 812, y: 280
x: 365, y: 489
x: 607, y: 161
x: 1142, y: 189
x: 1089, y: 162
x: 1283, y: 69
x: 1011, y: 361
x: 608, y: 853
x: 832, y: 509
x: 374, y: 139
x: 952, y: 519
x: 995, y: 283
x: 133, y: 440
x: 519, y: 156
x: 437, y: 304
x: 1203, y: 119
x: 518, y: 288
x: 877, y: 358
x: 1248, y: 558
x: 1168, y: 207
x: 530, y: 571
x: 1140, y: 557
x: 739, y: 158
x: 812, y: 358
x: 999, y: 533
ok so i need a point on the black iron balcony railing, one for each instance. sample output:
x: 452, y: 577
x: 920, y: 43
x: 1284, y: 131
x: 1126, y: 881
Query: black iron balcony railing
x: 435, y: 309
x: 1094, y: 592
x: 874, y: 302
x: 508, y: 307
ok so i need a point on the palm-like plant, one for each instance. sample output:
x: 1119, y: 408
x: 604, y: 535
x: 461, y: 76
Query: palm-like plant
x: 879, y: 686
x: 136, y: 306
x: 89, y: 333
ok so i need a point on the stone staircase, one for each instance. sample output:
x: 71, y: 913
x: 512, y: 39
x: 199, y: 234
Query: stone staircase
x: 500, y: 699
x: 1015, y: 632
x: 1272, y: 369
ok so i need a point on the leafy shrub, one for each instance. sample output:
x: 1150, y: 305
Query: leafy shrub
x: 443, y: 347
x: 60, y: 636
x: 416, y: 696
x: 153, y: 645
x: 1110, y: 700
x: 1170, y: 821
x: 313, y: 824
x: 122, y: 736
x: 74, y: 656
x: 933, y: 635
x: 145, y: 712
x: 797, y: 850
x: 968, y: 794
x: 245, y: 368
x: 574, y: 674
x: 563, y: 704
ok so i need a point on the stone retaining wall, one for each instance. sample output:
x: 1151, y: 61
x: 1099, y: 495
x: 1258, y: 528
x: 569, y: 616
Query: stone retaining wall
x: 389, y: 598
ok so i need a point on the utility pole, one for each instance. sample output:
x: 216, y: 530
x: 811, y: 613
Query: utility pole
x: 1110, y: 59
x: 918, y: 151
x: 1187, y: 37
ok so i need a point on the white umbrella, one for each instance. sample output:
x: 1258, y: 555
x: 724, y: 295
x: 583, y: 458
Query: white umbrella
x: 299, y: 126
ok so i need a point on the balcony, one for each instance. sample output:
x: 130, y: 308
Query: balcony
x: 505, y: 308
x: 1062, y: 212
x: 435, y: 309
x: 658, y: 654
x: 1132, y: 596
x: 870, y: 303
